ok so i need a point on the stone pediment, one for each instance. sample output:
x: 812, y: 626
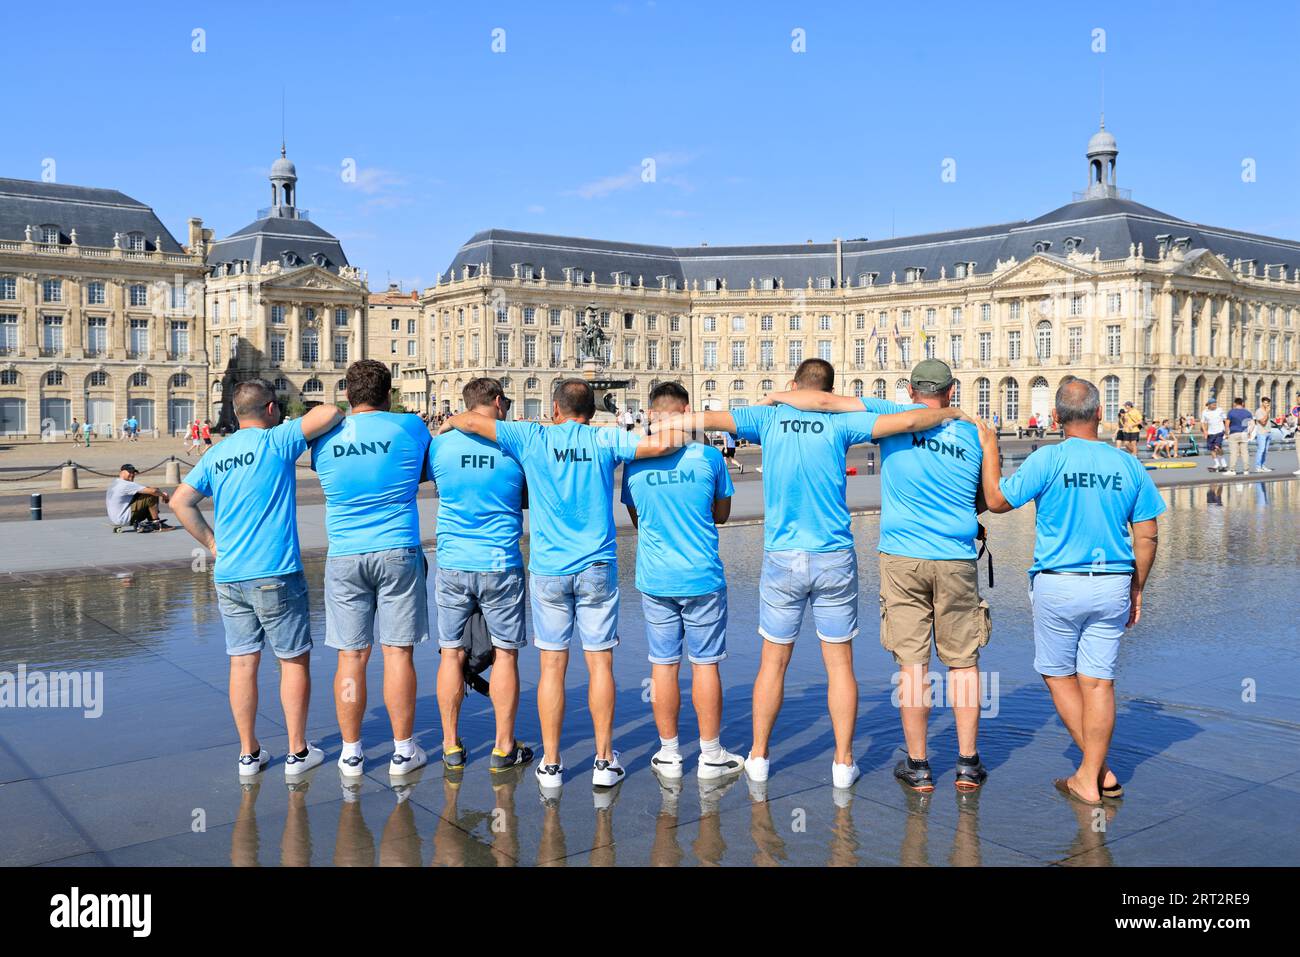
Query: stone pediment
x: 1040, y: 268
x: 310, y: 277
x: 1204, y: 264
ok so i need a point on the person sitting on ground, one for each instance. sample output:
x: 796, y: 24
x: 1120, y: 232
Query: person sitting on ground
x: 130, y: 503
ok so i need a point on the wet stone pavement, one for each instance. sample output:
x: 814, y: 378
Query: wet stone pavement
x: 1207, y: 741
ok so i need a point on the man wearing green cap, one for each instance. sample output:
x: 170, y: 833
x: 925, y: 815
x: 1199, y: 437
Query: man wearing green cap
x: 930, y: 496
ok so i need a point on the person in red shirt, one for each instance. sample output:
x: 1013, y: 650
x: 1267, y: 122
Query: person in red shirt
x: 206, y: 433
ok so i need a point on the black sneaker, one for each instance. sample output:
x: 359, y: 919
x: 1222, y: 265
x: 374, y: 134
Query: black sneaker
x: 970, y: 772
x: 915, y: 774
x: 454, y: 759
x: 515, y: 757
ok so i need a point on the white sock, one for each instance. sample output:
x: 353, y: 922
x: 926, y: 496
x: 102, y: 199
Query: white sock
x: 352, y: 749
x: 405, y: 748
x: 668, y: 746
x: 711, y: 749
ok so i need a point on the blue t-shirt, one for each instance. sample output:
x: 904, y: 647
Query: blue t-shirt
x: 250, y: 479
x: 480, y: 502
x: 370, y: 466
x: 1239, y: 420
x: 1086, y: 495
x: 928, y: 483
x: 677, y: 543
x: 570, y: 471
x: 803, y: 473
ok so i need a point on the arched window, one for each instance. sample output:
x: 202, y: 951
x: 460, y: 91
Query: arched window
x: 216, y: 391
x: 342, y: 385
x: 1043, y: 332
x: 180, y: 381
x: 505, y: 383
x: 766, y: 385
x: 532, y: 384
x: 313, y: 387
x: 1110, y: 398
x: 1011, y: 401
x: 710, y: 385
x: 282, y: 384
x: 737, y: 385
x: 10, y: 377
x: 54, y: 378
x: 139, y: 379
x: 900, y: 391
x: 857, y: 389
x: 97, y: 380
x: 878, y: 389
x: 982, y: 394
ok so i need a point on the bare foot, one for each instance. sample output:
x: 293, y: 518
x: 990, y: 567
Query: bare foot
x: 1087, y: 790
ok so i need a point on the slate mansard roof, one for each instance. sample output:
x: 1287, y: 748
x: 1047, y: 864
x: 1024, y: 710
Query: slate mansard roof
x: 96, y: 214
x: 1110, y: 224
x: 267, y: 239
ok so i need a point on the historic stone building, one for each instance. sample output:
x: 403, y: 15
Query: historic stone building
x: 101, y: 313
x: 397, y: 336
x: 283, y: 304
x: 1151, y: 307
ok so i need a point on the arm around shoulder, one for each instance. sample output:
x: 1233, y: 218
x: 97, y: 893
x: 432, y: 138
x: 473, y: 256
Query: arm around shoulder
x: 320, y: 420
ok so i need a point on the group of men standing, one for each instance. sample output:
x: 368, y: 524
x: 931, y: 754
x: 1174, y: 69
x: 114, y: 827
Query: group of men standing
x: 1095, y: 546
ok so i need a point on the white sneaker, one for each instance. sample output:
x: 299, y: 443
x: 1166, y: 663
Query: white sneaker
x: 719, y: 767
x: 668, y: 765
x: 352, y: 767
x: 294, y: 765
x: 756, y: 768
x: 550, y: 776
x: 1258, y: 469
x: 249, y: 765
x: 1296, y: 472
x: 605, y: 774
x: 400, y: 765
x: 843, y: 775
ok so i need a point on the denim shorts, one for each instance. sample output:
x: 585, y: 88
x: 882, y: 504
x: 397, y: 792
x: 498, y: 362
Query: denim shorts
x: 1078, y: 622
x: 499, y: 595
x: 792, y: 579
x: 586, y: 602
x: 266, y: 609
x: 700, y: 621
x: 383, y: 590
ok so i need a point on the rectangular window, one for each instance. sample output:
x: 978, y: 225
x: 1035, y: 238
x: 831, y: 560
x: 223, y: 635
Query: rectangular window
x: 1077, y: 302
x: 986, y: 347
x: 954, y: 349
x: 710, y: 323
x: 930, y: 317
x: 629, y: 352
x: 216, y: 350
x: 139, y: 295
x: 530, y: 316
x: 796, y: 323
x: 1113, y: 341
x: 473, y: 348
x: 824, y: 349
x: 460, y: 350
x: 1013, y: 311
x: 710, y: 355
x: 95, y: 294
x: 652, y: 354
x: 341, y: 317
x: 675, y: 324
x: 277, y: 315
x: 905, y: 320
x: 1013, y: 345
x: 765, y: 324
x: 905, y: 350
x: 928, y: 347
x: 530, y: 350
x: 410, y: 348
x: 503, y: 348
x: 555, y: 317
x: 651, y: 322
x: 234, y: 311
x: 52, y: 334
x: 794, y: 352
x: 137, y: 343
x: 52, y: 290
x: 824, y: 323
x: 1114, y: 303
x: 503, y: 313
x: 179, y: 345
x: 410, y: 327
x: 956, y: 315
x: 309, y: 351
x: 675, y: 354
x: 882, y: 352
x: 986, y: 312
x: 1074, y: 343
x: 737, y: 354
x: 277, y: 349
x: 8, y: 288
x: 859, y: 352
x: 8, y: 334
x: 394, y: 325
x: 96, y: 335
x: 557, y: 351
x: 766, y: 354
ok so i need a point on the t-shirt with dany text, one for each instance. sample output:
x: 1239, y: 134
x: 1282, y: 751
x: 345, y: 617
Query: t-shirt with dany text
x: 480, y: 503
x: 570, y: 472
x: 928, y: 484
x: 254, y: 490
x: 370, y: 466
x: 677, y: 540
x: 1086, y: 493
x: 804, y: 483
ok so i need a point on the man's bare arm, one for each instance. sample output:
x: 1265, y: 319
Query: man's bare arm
x: 661, y: 442
x: 815, y: 400
x: 185, y: 506
x: 990, y: 470
x: 474, y: 424
x: 721, y: 510
x: 320, y: 420
x: 1145, y: 538
x: 695, y: 422
x: 631, y: 513
x: 914, y: 420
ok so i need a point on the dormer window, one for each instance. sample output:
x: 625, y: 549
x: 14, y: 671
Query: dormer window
x: 868, y: 278
x: 963, y: 270
x: 1042, y: 245
x: 527, y: 273
x: 823, y: 282
x: 135, y: 241
x: 319, y: 259
x: 1182, y: 243
x: 913, y: 273
x: 767, y: 283
x: 712, y: 284
x: 576, y: 274
x: 1072, y: 243
x: 622, y: 278
x: 50, y: 235
x: 1162, y: 243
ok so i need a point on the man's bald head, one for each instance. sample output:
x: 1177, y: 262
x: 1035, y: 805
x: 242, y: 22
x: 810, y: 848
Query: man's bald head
x: 1077, y: 400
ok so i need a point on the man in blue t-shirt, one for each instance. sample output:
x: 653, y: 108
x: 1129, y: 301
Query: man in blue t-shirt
x: 370, y: 466
x: 930, y: 496
x: 572, y: 560
x: 1095, y: 545
x: 261, y: 590
x: 1239, y: 427
x: 481, y: 497
x: 808, y: 547
x: 677, y: 502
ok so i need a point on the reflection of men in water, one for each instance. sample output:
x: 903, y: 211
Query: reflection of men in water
x: 1088, y: 573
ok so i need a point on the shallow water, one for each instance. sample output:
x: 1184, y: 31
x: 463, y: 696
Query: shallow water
x: 1206, y: 741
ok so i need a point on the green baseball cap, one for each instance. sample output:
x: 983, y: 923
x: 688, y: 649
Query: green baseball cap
x: 932, y: 370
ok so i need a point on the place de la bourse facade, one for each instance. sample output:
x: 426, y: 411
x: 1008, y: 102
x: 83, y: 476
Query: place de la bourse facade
x: 103, y: 314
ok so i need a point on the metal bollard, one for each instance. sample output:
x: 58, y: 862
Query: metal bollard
x: 173, y: 474
x: 68, y: 477
x: 1034, y: 447
x: 871, y: 463
x: 36, y: 507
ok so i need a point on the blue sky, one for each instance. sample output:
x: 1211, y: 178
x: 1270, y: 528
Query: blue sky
x: 752, y: 141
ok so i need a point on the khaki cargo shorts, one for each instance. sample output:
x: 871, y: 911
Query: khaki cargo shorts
x: 919, y: 597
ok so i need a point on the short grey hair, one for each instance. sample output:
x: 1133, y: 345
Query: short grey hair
x: 1077, y: 400
x: 251, y: 397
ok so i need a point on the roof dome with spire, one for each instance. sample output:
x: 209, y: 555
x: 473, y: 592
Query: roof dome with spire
x: 1102, y: 141
x: 283, y: 168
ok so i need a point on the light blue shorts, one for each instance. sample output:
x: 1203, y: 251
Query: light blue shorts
x: 266, y: 610
x: 586, y: 602
x: 499, y: 595
x: 793, y: 579
x: 699, y: 621
x: 1078, y: 622
x: 384, y: 589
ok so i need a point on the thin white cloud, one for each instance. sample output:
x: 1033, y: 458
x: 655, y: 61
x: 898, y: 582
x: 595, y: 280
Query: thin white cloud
x: 632, y: 177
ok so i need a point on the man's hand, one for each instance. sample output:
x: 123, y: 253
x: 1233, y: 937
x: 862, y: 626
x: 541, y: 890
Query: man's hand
x: 445, y: 427
x: 1135, y: 605
x: 988, y: 434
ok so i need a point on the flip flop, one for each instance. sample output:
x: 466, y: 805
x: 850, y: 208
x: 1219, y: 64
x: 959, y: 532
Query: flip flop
x: 1114, y: 793
x: 1063, y: 785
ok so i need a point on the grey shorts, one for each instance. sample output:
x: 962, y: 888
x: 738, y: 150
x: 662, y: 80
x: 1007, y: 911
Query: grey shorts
x: 382, y: 589
x: 263, y: 610
x: 499, y: 595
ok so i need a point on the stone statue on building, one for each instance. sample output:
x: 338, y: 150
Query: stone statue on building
x: 591, y: 339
